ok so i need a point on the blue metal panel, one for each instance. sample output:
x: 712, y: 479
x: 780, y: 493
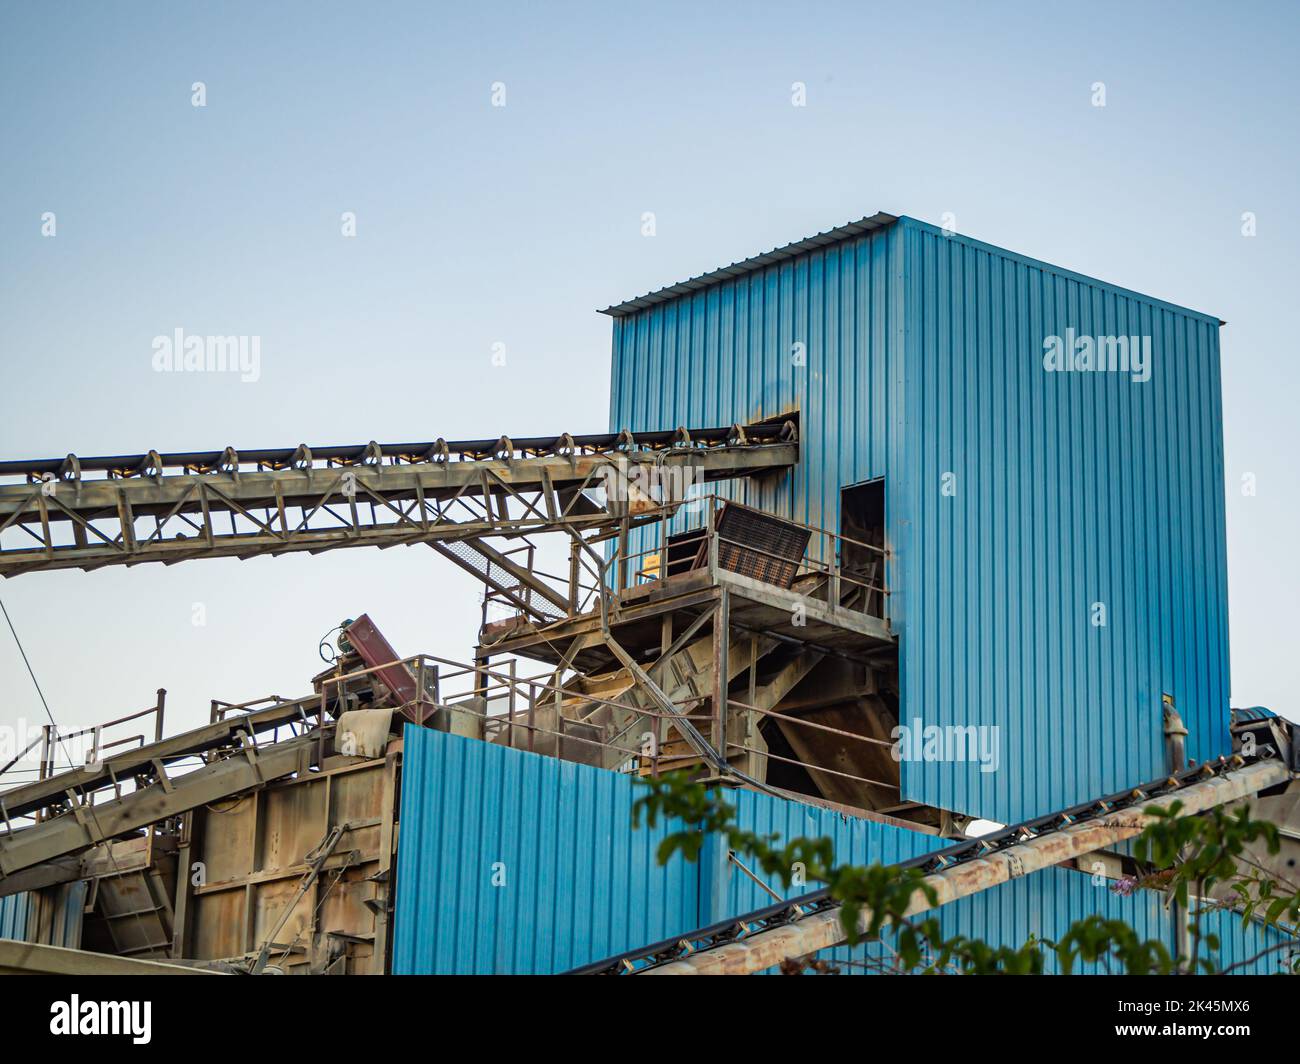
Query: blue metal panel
x: 1044, y: 905
x: 1040, y: 906
x: 924, y: 357
x: 62, y: 913
x: 1071, y: 489
x: 727, y: 354
x: 14, y: 910
x: 1250, y: 950
x: 856, y: 841
x: 579, y: 883
x: 51, y: 915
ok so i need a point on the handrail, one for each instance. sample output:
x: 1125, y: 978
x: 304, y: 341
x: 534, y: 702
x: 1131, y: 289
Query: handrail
x: 822, y: 560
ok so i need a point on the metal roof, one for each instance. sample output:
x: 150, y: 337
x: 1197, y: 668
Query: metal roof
x: 757, y: 262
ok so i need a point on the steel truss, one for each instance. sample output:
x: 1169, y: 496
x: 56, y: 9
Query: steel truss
x: 91, y: 512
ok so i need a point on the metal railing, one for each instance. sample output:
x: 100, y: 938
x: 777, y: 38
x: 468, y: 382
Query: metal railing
x: 52, y: 740
x: 512, y: 709
x: 839, y: 570
x: 535, y: 712
x: 509, y: 708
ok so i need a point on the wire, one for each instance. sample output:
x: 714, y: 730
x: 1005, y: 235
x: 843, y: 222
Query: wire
x: 107, y: 843
x: 324, y: 646
x: 36, y: 682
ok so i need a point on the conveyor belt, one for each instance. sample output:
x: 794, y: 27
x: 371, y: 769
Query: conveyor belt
x: 91, y: 512
x: 85, y: 806
x: 1238, y: 776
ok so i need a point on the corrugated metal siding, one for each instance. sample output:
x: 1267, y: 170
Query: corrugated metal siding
x: 1072, y: 488
x: 14, y: 909
x: 51, y: 915
x: 1243, y: 945
x: 58, y: 914
x: 725, y: 354
x: 579, y: 883
x: 1044, y: 905
x: 856, y: 842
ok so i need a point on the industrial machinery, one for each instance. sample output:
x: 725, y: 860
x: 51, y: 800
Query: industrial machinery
x: 691, y: 631
x: 1027, y: 563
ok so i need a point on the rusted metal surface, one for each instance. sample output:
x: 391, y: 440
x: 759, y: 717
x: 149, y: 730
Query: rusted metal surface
x: 823, y: 930
x: 132, y: 911
x: 379, y: 655
x: 222, y: 733
x: 86, y: 824
x: 255, y: 853
x: 760, y: 545
x: 435, y: 452
x: 29, y: 958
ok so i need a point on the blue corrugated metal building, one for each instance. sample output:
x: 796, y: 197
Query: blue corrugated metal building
x: 511, y: 862
x: 1057, y: 564
x: 1057, y: 538
x: 516, y: 863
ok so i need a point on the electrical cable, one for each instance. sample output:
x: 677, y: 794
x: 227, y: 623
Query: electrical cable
x: 32, y: 673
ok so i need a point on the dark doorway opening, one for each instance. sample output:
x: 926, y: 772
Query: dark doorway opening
x: 862, y: 524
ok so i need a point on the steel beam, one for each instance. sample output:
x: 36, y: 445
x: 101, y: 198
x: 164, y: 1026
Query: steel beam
x: 172, y: 508
x: 32, y: 958
x: 86, y: 825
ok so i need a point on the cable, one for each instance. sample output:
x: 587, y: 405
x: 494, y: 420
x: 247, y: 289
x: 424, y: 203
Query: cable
x: 36, y: 682
x: 107, y: 842
x: 324, y: 646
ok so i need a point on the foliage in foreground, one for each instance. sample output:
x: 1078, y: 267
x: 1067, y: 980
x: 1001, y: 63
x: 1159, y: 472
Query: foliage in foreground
x: 1187, y: 856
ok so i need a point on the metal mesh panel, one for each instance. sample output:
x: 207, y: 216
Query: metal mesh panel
x: 493, y: 574
x: 759, y: 545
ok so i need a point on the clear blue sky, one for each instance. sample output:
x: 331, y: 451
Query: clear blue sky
x: 479, y: 225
